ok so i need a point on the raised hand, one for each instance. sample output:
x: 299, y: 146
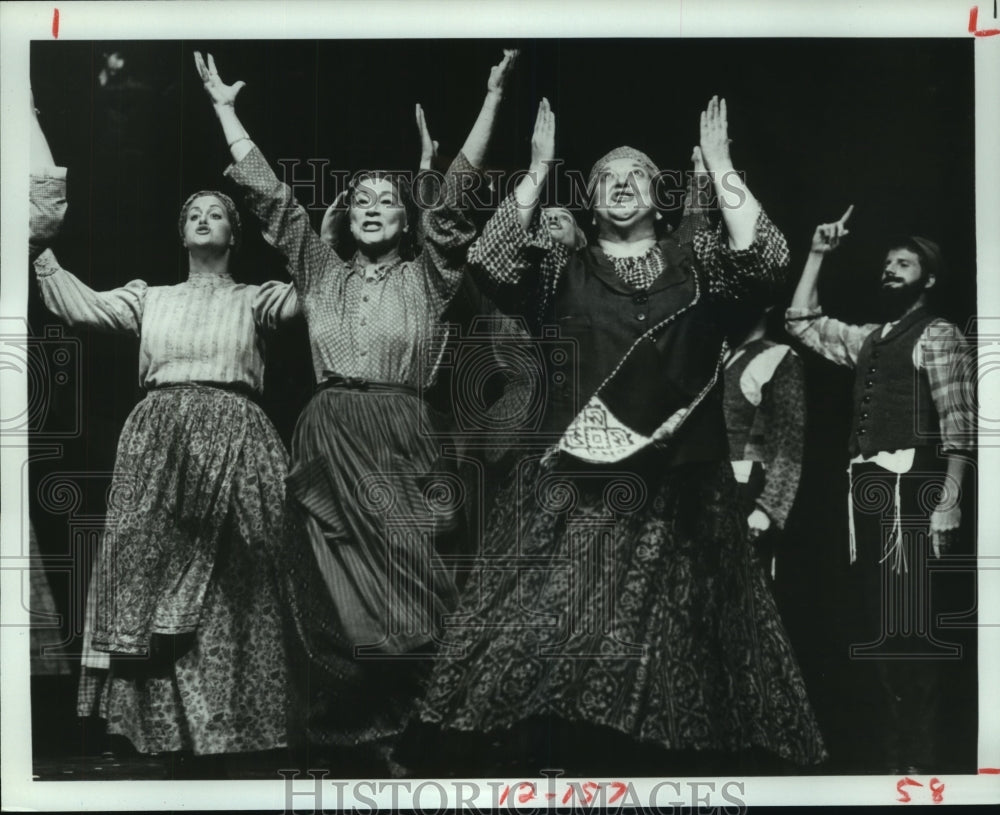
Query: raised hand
x: 328, y: 229
x: 715, y: 136
x: 500, y: 72
x: 219, y: 92
x: 698, y: 161
x: 827, y: 237
x: 428, y: 147
x: 543, y: 139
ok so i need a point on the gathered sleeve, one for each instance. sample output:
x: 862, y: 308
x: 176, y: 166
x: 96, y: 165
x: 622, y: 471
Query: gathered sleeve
x: 446, y: 229
x: 512, y: 263
x: 734, y: 274
x: 118, y: 310
x: 832, y: 339
x: 784, y: 408
x: 284, y: 221
x: 274, y: 304
x: 950, y: 362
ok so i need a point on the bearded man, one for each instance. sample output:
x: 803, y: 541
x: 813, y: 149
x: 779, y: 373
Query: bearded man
x: 911, y: 432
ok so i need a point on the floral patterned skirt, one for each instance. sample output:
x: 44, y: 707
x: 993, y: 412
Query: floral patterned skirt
x: 628, y: 599
x: 185, y: 600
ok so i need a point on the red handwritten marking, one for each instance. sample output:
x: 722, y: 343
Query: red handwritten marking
x: 989, y: 770
x: 55, y: 23
x: 619, y: 789
x: 503, y: 796
x: 974, y: 25
x: 904, y: 796
x: 524, y: 797
x: 937, y: 791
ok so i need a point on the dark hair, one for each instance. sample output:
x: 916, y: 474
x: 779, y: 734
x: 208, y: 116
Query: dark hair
x: 231, y: 212
x: 344, y: 241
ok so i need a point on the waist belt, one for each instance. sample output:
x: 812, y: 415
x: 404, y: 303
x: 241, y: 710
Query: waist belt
x: 354, y: 383
x: 239, y: 388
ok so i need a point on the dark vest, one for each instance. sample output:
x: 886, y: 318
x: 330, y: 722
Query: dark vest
x: 893, y: 408
x: 599, y: 317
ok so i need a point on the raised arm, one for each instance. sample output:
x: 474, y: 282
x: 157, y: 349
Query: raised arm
x: 746, y: 256
x: 284, y: 222
x: 739, y: 208
x: 76, y: 304
x: 478, y: 139
x: 447, y: 230
x: 47, y: 195
x: 826, y: 238
x: 697, y: 201
x: 515, y: 252
x: 833, y: 339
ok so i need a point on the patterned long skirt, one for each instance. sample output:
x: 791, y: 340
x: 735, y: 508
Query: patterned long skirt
x: 382, y: 510
x: 628, y: 600
x: 185, y: 605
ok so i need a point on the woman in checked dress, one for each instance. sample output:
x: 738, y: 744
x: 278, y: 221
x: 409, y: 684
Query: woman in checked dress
x: 618, y: 621
x: 380, y: 505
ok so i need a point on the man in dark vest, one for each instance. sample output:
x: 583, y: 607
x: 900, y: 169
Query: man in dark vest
x: 912, y: 425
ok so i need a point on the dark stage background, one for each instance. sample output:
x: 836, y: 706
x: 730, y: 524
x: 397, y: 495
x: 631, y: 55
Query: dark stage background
x: 887, y: 125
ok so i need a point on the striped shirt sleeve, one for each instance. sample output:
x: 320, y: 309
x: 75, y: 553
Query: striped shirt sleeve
x: 832, y: 339
x: 77, y: 304
x: 950, y: 362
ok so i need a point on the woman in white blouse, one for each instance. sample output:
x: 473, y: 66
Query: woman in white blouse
x: 183, y: 643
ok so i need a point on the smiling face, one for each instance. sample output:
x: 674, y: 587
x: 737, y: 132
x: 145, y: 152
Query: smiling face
x: 377, y: 214
x: 623, y: 194
x: 206, y: 224
x: 561, y: 226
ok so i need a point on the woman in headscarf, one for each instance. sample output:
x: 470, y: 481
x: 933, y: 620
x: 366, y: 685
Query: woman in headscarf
x: 617, y: 621
x: 183, y: 642
x: 379, y: 503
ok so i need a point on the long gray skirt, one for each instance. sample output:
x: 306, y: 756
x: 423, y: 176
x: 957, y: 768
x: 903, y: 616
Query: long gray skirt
x: 381, y: 509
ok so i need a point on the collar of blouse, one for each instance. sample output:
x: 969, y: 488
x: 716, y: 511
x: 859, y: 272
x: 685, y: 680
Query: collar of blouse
x: 373, y: 271
x: 209, y: 279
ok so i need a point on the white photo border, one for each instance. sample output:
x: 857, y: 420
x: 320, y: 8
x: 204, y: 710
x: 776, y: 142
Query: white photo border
x: 20, y: 23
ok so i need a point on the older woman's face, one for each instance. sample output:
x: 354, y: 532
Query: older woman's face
x: 377, y: 214
x: 623, y: 192
x: 206, y: 224
x: 561, y: 225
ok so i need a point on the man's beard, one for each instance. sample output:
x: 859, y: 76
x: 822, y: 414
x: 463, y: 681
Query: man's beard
x: 895, y: 301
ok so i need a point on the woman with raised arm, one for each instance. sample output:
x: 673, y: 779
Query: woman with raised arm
x: 378, y: 501
x: 183, y: 642
x: 618, y: 621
